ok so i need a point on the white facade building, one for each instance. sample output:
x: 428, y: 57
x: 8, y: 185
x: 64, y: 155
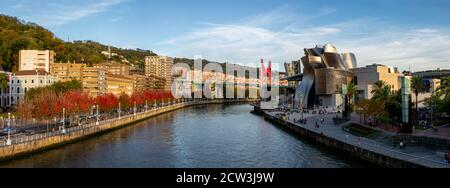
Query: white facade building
x: 5, y: 93
x: 22, y: 81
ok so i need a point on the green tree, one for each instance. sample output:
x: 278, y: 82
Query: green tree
x: 16, y: 35
x: 417, y: 87
x: 385, y: 95
x: 3, y: 81
x: 381, y: 91
x: 378, y: 87
x: 62, y: 87
x: 444, y: 88
x: 57, y: 88
x: 370, y: 108
x: 351, y: 92
x: 125, y: 101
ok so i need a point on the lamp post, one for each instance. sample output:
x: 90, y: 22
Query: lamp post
x: 13, y: 121
x: 432, y: 106
x: 8, y: 141
x: 146, y: 106
x: 134, y: 109
x: 64, y: 121
x: 119, y: 110
x: 301, y: 103
x: 97, y: 123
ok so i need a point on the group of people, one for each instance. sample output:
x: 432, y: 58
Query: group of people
x: 317, y: 124
x: 301, y: 121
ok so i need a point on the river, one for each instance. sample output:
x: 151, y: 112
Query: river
x: 209, y: 136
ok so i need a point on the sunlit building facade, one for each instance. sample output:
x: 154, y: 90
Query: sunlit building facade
x: 324, y: 73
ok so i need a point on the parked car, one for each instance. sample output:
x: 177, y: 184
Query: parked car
x: 12, y: 131
x: 29, y: 132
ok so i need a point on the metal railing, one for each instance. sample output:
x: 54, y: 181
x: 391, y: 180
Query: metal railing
x: 374, y: 146
x: 24, y: 138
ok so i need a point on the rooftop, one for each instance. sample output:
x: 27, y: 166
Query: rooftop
x: 31, y: 72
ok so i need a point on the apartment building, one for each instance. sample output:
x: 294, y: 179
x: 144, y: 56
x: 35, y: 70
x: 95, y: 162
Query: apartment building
x: 94, y: 81
x: 36, y: 59
x: 141, y: 82
x: 160, y: 67
x: 115, y: 68
x: 118, y: 84
x: 67, y: 71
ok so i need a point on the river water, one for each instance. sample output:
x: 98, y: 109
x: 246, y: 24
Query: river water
x: 209, y: 136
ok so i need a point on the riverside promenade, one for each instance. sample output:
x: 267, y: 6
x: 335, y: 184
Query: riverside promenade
x: 379, y: 150
x: 27, y: 144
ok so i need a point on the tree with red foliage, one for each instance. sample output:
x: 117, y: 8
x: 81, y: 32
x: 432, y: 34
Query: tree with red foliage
x: 46, y: 105
x: 167, y: 95
x: 76, y: 103
x: 107, y: 102
x: 150, y: 96
x: 138, y: 98
x: 66, y: 103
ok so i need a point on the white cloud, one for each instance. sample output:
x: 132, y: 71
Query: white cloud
x: 324, y: 31
x: 372, y: 41
x: 427, y: 30
x: 60, y: 12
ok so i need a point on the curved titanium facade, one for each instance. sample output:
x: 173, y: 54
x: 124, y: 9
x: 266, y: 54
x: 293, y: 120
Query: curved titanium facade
x: 349, y: 60
x: 324, y: 73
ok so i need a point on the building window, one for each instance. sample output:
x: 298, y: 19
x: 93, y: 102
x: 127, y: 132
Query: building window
x: 41, y: 81
x: 18, y: 89
x: 12, y: 81
x: 32, y: 81
x: 25, y: 81
x: 26, y: 90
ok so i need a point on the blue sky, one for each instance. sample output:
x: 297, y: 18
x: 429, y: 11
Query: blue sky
x: 402, y: 33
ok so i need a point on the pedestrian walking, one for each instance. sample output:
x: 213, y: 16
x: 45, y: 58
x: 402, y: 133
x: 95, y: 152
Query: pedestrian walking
x: 447, y: 156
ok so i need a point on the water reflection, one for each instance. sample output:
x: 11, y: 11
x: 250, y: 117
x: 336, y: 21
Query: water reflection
x: 202, y: 136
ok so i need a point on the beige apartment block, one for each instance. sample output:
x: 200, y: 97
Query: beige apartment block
x: 365, y: 78
x: 36, y: 59
x: 141, y: 82
x: 67, y: 71
x: 160, y: 67
x: 118, y: 84
x: 115, y: 68
x: 94, y: 81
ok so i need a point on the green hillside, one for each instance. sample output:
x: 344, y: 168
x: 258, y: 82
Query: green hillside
x: 17, y: 34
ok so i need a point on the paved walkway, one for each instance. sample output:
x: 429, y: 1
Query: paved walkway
x: 380, y: 144
x: 443, y: 132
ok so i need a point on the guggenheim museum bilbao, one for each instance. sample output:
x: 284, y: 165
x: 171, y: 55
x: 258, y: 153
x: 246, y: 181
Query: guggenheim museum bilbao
x: 326, y: 72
